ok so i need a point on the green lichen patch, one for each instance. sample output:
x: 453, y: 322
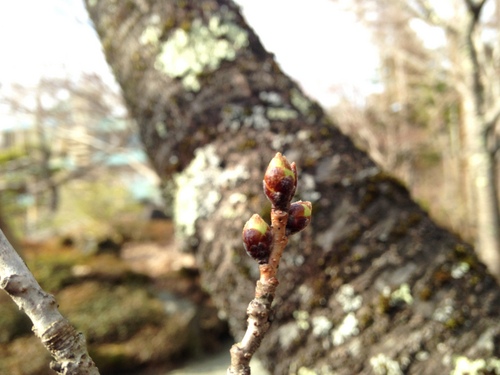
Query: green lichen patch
x: 402, y: 295
x: 300, y: 102
x: 199, y: 49
x: 282, y: 114
x: 302, y: 318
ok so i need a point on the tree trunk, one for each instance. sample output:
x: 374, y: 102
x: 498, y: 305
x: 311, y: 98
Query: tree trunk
x: 374, y: 286
x: 480, y: 159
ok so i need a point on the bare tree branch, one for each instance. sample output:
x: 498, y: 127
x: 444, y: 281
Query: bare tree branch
x: 427, y: 13
x: 64, y: 343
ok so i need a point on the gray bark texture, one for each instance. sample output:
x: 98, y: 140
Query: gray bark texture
x: 373, y: 286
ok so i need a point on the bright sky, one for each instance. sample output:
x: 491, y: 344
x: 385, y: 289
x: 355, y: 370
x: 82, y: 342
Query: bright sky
x: 317, y: 44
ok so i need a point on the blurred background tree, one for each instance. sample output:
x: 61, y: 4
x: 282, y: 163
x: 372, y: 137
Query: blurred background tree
x: 434, y: 121
x: 68, y: 132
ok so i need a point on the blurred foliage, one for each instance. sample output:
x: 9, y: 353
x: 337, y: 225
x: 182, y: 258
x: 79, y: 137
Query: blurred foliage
x: 11, y: 154
x: 13, y: 323
x: 89, y: 208
x: 53, y: 271
x: 109, y: 313
x: 25, y: 356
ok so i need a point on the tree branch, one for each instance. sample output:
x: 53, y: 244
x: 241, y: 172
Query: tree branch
x: 427, y: 13
x: 266, y: 245
x: 64, y: 343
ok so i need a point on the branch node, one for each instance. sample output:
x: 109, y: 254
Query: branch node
x: 13, y: 284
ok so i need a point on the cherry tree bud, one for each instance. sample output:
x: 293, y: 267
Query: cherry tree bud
x: 258, y: 239
x: 299, y: 217
x: 280, y: 182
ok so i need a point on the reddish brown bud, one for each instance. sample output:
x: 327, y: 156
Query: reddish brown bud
x: 258, y: 239
x: 299, y: 217
x: 280, y: 182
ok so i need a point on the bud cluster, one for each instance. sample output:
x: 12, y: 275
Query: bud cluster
x: 280, y: 183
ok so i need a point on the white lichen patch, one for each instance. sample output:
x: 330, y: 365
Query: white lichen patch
x: 383, y: 365
x: 271, y: 97
x: 234, y: 206
x: 321, y: 326
x: 303, y: 135
x: 459, y: 270
x: 465, y: 366
x: 444, y: 312
x: 257, y: 119
x: 349, y: 300
x: 347, y: 329
x: 402, y: 294
x: 198, y: 187
x: 187, y: 54
x: 235, y: 117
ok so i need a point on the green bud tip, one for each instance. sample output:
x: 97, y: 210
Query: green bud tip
x: 299, y: 217
x: 257, y: 238
x: 257, y: 223
x: 280, y: 182
x: 280, y: 161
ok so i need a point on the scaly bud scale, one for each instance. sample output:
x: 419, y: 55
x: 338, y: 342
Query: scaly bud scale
x: 258, y: 239
x: 280, y: 182
x: 299, y: 217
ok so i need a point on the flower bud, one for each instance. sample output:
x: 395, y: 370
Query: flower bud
x: 280, y: 182
x: 299, y: 217
x: 258, y: 239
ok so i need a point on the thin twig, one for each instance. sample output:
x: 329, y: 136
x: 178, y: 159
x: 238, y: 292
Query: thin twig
x: 280, y: 181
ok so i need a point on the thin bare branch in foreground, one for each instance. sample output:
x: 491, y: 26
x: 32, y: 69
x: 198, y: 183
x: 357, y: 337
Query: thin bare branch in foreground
x: 64, y: 343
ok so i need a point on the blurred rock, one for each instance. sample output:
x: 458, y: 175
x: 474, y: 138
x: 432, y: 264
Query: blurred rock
x: 154, y: 259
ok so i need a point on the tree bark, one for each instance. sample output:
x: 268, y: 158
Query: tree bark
x: 374, y: 286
